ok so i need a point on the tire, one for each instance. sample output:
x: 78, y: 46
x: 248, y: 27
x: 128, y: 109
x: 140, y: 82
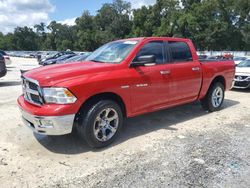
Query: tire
x: 209, y: 102
x: 95, y: 125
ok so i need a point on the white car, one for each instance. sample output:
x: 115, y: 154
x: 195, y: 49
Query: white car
x: 242, y: 75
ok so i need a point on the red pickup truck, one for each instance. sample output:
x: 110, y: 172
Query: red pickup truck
x: 121, y: 79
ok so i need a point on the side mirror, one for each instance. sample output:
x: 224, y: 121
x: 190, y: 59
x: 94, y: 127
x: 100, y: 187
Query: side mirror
x: 145, y: 60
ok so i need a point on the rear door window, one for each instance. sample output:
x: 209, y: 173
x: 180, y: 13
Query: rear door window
x: 180, y: 51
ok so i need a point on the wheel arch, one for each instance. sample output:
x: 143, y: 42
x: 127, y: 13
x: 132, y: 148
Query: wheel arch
x: 206, y: 87
x: 206, y: 101
x: 220, y: 79
x: 104, y: 96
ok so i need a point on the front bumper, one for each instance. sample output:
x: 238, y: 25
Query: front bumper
x: 49, y: 125
x: 241, y: 84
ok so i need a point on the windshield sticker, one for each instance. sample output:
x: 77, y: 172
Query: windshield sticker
x: 130, y: 42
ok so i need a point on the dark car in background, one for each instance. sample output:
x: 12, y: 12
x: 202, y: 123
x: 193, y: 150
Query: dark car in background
x: 76, y: 58
x: 6, y: 57
x: 53, y: 57
x: 3, y: 69
x: 238, y: 59
x: 59, y: 59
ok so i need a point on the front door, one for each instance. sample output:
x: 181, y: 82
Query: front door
x: 150, y: 86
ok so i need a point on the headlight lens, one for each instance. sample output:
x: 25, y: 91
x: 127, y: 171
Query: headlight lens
x: 58, y: 96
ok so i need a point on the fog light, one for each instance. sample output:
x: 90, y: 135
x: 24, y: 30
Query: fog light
x: 46, y: 124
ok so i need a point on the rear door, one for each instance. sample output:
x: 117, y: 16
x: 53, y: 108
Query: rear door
x: 186, y: 73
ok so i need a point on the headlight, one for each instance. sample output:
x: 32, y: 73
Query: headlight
x: 58, y: 96
x: 248, y: 79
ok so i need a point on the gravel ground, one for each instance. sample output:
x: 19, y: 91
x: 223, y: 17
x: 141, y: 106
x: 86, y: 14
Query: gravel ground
x: 179, y: 147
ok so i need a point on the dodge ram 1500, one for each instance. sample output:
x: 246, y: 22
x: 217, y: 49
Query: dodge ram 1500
x: 121, y: 79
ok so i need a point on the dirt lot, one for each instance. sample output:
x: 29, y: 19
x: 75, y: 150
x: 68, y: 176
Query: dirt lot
x: 179, y: 147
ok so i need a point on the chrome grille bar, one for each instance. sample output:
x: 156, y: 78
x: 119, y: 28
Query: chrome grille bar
x: 30, y: 94
x: 34, y: 92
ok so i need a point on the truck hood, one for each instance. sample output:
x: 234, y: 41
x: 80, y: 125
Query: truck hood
x: 244, y: 71
x: 51, y: 75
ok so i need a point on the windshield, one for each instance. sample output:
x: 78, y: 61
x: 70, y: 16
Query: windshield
x: 239, y: 58
x: 245, y: 63
x: 76, y: 58
x: 114, y: 52
x: 65, y: 57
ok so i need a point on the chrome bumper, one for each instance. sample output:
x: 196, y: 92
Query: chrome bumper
x: 245, y: 86
x: 49, y: 125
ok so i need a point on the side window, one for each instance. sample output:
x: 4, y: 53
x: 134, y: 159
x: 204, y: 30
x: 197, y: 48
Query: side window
x: 180, y: 51
x: 155, y: 48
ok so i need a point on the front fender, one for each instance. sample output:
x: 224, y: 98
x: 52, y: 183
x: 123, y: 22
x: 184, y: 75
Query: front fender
x: 85, y: 88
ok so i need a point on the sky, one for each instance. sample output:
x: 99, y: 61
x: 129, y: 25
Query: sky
x: 21, y: 13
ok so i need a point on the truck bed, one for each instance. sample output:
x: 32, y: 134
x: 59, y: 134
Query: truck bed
x: 214, y: 68
x: 214, y: 60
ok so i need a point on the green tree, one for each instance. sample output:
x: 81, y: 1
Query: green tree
x: 25, y: 38
x: 211, y: 24
x: 85, y: 32
x: 61, y: 37
x: 42, y: 35
x: 114, y: 18
x: 142, y: 26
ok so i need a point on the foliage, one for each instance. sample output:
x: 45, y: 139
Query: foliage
x: 211, y: 24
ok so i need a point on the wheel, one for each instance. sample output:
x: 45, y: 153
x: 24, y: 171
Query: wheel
x: 101, y: 123
x: 214, y: 98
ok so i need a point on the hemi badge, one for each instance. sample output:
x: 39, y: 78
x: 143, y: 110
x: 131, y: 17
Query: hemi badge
x: 124, y: 87
x: 141, y: 85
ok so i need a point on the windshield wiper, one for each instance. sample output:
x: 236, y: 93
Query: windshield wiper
x: 97, y: 61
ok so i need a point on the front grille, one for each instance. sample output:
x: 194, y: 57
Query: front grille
x: 33, y: 86
x: 241, y: 77
x: 31, y: 91
x: 35, y: 98
x: 242, y: 84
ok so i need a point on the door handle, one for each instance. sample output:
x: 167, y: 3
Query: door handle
x: 165, y: 72
x: 196, y: 69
